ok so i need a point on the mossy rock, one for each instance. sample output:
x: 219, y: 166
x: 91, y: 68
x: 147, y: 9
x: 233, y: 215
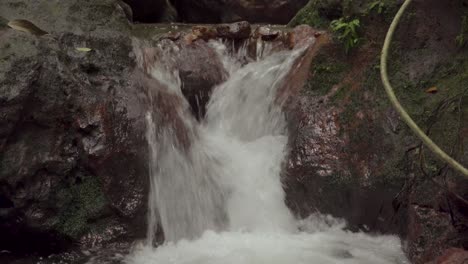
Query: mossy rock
x: 309, y: 15
x: 81, y: 204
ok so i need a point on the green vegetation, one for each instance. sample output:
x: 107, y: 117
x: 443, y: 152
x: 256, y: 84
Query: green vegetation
x: 440, y: 113
x: 401, y: 110
x: 462, y: 38
x: 344, y: 27
x: 382, y: 7
x: 309, y: 15
x: 326, y: 72
x: 347, y: 32
x: 346, y: 18
x: 378, y: 5
x: 81, y: 203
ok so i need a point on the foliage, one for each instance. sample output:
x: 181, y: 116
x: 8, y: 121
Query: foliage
x: 378, y: 5
x: 462, y: 38
x: 81, y: 202
x: 383, y: 9
x: 347, y: 32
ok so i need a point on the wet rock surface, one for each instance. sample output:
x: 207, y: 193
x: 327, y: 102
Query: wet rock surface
x: 72, y: 143
x: 352, y: 157
x: 239, y: 30
x: 452, y: 256
x: 100, y: 19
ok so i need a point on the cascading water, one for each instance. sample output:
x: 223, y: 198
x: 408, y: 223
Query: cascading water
x: 215, y: 184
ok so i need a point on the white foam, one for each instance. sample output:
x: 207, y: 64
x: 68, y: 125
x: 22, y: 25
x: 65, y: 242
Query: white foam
x: 331, y: 246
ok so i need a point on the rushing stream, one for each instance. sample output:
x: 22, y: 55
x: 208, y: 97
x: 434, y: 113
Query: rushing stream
x: 215, y: 183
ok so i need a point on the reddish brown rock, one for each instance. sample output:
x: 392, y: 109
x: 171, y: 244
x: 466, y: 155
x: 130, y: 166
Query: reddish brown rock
x: 429, y: 230
x: 200, y: 69
x: 172, y: 36
x: 204, y: 32
x: 238, y: 30
x: 331, y: 162
x: 79, y: 132
x: 296, y: 79
x: 196, y: 62
x: 351, y: 155
x: 266, y: 33
x: 452, y: 256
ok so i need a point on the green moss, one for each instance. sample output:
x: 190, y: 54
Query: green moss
x: 441, y: 114
x: 382, y: 8
x: 80, y: 203
x: 309, y: 15
x: 326, y: 72
x: 450, y: 81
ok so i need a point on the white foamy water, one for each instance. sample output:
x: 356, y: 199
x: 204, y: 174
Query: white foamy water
x: 219, y: 199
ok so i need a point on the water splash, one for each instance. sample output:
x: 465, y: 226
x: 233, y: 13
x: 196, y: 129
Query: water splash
x: 215, y: 184
x: 185, y: 195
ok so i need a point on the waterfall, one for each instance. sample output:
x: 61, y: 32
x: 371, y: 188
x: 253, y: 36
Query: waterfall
x: 215, y: 184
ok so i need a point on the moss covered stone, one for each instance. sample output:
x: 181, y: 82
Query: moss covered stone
x: 309, y: 15
x: 326, y: 72
x: 81, y: 204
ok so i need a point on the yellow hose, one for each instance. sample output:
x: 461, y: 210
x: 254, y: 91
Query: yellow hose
x: 391, y: 95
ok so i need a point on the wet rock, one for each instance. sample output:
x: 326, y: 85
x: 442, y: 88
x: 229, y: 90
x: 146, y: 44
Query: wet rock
x: 330, y: 167
x: 126, y: 9
x: 301, y: 35
x: 266, y: 33
x: 204, y: 32
x: 193, y: 59
x: 305, y: 38
x: 102, y: 18
x: 452, y: 256
x: 200, y: 70
x: 352, y: 157
x: 71, y: 164
x: 172, y: 36
x: 239, y: 30
x: 437, y: 219
x: 428, y: 228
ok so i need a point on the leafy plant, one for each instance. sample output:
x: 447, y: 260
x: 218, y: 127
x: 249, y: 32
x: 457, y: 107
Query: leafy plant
x: 347, y: 32
x: 378, y: 5
x: 383, y: 8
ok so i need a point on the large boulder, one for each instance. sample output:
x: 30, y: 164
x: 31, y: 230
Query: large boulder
x: 452, y: 256
x: 351, y: 154
x: 200, y: 70
x: 72, y: 142
x: 94, y: 18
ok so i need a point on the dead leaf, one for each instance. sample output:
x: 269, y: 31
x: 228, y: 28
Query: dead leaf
x: 26, y: 26
x: 83, y: 49
x: 432, y: 90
